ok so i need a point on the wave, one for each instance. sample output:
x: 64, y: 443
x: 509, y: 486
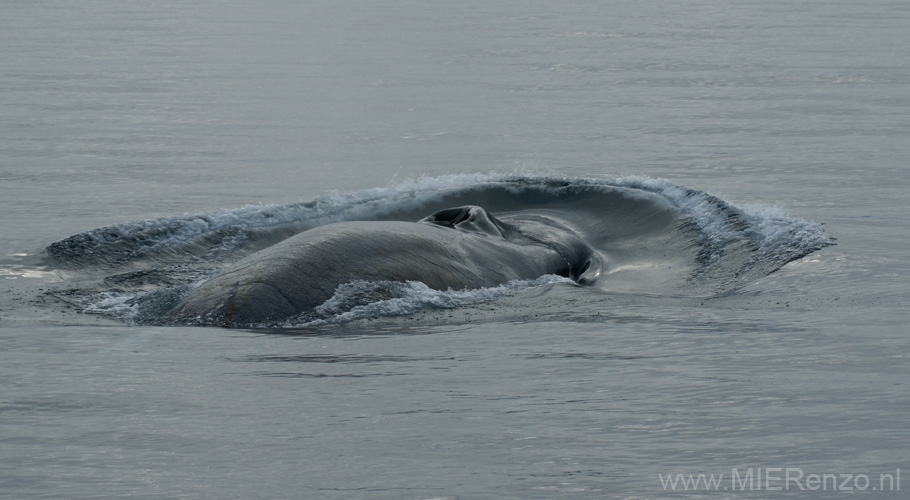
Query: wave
x: 654, y: 237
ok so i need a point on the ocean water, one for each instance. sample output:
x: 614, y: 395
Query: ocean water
x: 219, y: 119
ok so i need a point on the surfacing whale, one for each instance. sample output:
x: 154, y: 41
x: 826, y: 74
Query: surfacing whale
x: 457, y: 248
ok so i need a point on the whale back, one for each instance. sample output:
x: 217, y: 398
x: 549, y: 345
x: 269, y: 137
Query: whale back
x: 301, y: 272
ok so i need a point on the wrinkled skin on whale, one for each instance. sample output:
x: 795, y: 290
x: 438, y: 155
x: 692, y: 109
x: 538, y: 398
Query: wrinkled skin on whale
x: 462, y: 247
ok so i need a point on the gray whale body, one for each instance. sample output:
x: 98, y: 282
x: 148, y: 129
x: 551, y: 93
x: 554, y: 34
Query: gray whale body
x: 457, y: 248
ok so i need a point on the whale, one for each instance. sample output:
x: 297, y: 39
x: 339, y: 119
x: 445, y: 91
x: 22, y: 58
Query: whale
x: 462, y: 247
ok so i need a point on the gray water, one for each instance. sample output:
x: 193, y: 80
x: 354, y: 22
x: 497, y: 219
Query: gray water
x: 120, y: 111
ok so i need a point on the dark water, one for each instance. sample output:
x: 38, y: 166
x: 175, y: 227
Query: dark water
x: 221, y: 123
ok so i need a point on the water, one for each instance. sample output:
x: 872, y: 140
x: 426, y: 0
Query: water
x: 117, y: 112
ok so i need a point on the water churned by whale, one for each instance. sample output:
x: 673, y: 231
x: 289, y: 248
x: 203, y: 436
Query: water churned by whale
x: 459, y: 238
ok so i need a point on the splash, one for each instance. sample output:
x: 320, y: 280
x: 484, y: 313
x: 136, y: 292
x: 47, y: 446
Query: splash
x: 655, y: 236
x: 360, y: 299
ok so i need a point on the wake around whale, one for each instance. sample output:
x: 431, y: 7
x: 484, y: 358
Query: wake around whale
x: 454, y: 248
x: 375, y: 253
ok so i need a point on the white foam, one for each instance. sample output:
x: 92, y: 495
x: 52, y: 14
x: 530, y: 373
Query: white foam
x: 777, y: 230
x: 120, y: 305
x: 357, y: 299
x: 771, y: 227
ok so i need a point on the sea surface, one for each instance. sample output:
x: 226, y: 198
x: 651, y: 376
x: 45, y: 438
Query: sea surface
x: 149, y: 128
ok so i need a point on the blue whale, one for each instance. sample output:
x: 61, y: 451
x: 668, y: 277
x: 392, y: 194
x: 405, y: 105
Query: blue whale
x: 455, y: 248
